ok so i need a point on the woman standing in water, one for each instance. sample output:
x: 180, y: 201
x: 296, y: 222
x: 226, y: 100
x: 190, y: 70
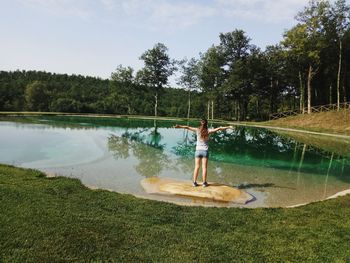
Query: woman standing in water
x: 202, y: 148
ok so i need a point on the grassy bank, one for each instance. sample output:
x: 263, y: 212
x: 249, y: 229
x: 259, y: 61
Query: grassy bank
x: 324, y: 122
x: 58, y: 219
x: 329, y: 122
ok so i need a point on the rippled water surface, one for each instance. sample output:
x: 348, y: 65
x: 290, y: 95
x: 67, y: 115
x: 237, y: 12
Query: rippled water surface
x: 279, y: 169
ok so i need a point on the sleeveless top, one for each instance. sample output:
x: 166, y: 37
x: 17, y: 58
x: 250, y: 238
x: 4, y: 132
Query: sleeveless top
x: 201, y: 145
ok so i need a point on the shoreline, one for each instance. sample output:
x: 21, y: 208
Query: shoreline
x: 336, y: 195
x: 163, y: 118
x: 209, y: 203
x: 343, y: 136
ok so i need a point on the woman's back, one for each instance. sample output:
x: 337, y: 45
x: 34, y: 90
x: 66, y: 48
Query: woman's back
x: 202, y: 144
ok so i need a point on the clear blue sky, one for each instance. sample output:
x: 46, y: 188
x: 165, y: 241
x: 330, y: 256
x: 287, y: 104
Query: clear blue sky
x: 92, y: 37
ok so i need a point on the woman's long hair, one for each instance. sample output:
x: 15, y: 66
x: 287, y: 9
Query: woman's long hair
x: 203, y: 130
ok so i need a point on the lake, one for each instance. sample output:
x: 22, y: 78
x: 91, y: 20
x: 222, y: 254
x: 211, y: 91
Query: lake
x: 279, y: 169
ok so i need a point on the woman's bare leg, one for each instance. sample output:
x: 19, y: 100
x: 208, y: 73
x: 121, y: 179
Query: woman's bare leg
x: 196, y: 168
x: 204, y: 169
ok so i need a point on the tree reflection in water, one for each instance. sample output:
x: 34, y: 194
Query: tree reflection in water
x: 119, y: 146
x: 145, y: 145
x: 262, y: 147
x: 243, y: 146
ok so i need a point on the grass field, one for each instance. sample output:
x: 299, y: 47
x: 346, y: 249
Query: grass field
x: 330, y: 122
x: 59, y: 220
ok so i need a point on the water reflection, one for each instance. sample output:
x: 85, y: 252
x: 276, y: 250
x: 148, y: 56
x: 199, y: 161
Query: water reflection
x: 261, y: 147
x: 293, y: 152
x: 145, y: 145
x: 285, y: 168
x: 119, y: 146
x: 326, y: 180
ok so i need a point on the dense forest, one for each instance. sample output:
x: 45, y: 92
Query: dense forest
x: 232, y: 80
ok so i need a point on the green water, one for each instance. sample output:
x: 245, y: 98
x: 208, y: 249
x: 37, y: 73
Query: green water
x: 116, y: 154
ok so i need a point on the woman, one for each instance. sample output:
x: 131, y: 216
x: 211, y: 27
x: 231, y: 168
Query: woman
x: 202, y: 153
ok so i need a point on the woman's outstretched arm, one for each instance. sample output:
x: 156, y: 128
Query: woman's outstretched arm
x: 220, y: 129
x: 185, y: 127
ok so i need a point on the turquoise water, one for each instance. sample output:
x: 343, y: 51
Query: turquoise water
x: 117, y: 154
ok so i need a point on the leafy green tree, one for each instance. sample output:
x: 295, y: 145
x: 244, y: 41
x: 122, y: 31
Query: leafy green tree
x: 122, y: 87
x: 123, y: 75
x: 239, y: 78
x: 11, y: 91
x: 295, y: 42
x: 235, y: 47
x: 275, y: 75
x: 116, y: 103
x: 340, y: 14
x: 312, y: 18
x: 65, y: 105
x: 211, y: 75
x: 189, y: 78
x: 37, y: 96
x: 158, y: 68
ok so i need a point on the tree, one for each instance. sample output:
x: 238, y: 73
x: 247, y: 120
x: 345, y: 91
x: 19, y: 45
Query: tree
x: 65, y: 105
x: 211, y: 75
x: 234, y: 47
x: 123, y: 75
x: 276, y: 76
x: 158, y: 67
x: 311, y: 62
x: 341, y: 17
x: 312, y: 16
x: 122, y: 87
x: 37, y: 96
x: 295, y: 43
x: 189, y: 78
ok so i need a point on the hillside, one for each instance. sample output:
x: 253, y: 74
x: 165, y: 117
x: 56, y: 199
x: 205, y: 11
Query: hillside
x: 330, y: 122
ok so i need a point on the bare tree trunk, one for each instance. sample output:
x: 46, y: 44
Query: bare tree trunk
x: 345, y: 71
x: 238, y: 111
x: 301, y: 102
x: 156, y: 104
x: 235, y: 109
x: 129, y: 110
x: 208, y: 109
x: 271, y: 97
x: 330, y: 94
x: 338, y: 76
x: 189, y: 104
x: 309, y: 77
x: 212, y: 109
x: 245, y: 109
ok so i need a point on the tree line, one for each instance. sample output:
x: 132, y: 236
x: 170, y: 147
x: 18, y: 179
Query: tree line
x: 49, y: 92
x: 232, y: 80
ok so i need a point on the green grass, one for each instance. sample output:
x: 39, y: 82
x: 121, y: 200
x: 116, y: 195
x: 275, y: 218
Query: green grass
x: 58, y: 219
x: 337, y: 122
